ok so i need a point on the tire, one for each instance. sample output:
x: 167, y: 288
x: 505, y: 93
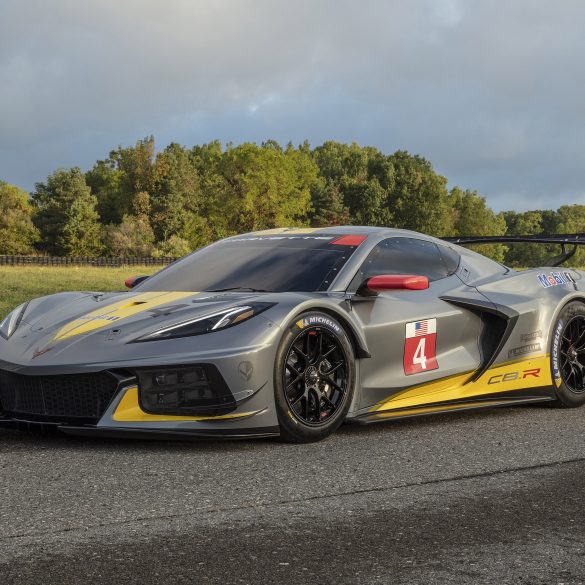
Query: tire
x: 568, y: 356
x: 314, y: 378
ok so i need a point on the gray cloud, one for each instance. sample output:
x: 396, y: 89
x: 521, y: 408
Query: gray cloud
x: 492, y: 93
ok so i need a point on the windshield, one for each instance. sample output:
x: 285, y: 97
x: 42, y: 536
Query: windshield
x: 257, y: 263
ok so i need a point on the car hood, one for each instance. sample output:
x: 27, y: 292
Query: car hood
x: 92, y: 327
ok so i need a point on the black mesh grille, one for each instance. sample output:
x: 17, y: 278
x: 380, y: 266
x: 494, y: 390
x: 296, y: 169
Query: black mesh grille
x: 84, y: 396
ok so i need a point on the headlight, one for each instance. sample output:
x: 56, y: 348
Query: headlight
x: 208, y: 323
x: 12, y: 321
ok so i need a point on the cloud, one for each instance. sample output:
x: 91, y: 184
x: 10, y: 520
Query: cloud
x: 491, y: 93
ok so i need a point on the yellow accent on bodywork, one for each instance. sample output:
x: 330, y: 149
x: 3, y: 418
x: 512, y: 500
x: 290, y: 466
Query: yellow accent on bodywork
x: 129, y: 411
x: 108, y: 315
x: 435, y: 409
x: 455, y: 388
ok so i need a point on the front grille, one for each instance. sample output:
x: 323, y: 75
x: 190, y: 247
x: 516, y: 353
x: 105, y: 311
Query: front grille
x: 83, y: 396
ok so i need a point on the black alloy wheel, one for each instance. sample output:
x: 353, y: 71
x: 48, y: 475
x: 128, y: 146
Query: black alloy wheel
x: 567, y: 354
x: 313, y: 378
x: 572, y: 355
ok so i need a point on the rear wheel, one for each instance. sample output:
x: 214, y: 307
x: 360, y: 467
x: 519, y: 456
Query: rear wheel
x: 568, y: 355
x: 314, y: 378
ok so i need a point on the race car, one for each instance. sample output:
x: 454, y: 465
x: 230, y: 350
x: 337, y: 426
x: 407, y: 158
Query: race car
x: 291, y: 332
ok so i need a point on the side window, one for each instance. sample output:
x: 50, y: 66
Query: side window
x: 409, y: 256
x: 450, y: 258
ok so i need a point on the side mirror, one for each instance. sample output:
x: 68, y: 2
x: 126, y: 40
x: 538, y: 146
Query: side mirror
x: 376, y: 284
x: 134, y: 281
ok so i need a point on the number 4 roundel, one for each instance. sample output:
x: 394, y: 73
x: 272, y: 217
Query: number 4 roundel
x: 420, y: 343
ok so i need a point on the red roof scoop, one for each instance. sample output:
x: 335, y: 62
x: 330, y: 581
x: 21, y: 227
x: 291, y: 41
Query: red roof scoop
x: 349, y: 240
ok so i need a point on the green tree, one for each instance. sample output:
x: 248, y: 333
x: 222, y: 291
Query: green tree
x: 176, y: 195
x: 182, y: 198
x: 134, y: 236
x: 116, y: 180
x: 328, y: 206
x: 399, y: 190
x: 368, y: 204
x: 17, y: 231
x: 174, y: 247
x: 472, y: 217
x: 345, y: 169
x: 419, y: 199
x: 105, y: 182
x: 527, y: 223
x: 342, y: 164
x: 261, y: 187
x: 65, y: 214
x: 570, y: 219
x: 81, y: 235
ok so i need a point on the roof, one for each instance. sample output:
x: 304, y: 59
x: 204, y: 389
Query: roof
x: 358, y: 230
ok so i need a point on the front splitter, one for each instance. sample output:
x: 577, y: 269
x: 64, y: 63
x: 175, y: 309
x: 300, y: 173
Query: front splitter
x: 130, y: 433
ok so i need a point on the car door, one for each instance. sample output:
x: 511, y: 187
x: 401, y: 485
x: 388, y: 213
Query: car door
x: 413, y: 336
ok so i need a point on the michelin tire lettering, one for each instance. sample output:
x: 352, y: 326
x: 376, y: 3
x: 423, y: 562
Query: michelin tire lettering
x: 311, y: 321
x: 555, y: 353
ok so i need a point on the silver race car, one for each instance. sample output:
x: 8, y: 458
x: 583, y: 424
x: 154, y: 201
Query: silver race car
x: 290, y: 332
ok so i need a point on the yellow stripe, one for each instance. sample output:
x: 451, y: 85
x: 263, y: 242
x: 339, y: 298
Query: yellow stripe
x: 129, y: 411
x: 109, y: 315
x: 497, y: 379
x: 432, y: 409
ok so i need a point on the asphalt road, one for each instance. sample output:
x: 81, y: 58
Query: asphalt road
x: 490, y: 497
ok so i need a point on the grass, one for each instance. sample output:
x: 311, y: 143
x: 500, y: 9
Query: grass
x: 19, y: 284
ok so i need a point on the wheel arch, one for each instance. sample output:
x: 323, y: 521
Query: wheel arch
x: 564, y: 394
x: 577, y: 296
x: 357, y: 339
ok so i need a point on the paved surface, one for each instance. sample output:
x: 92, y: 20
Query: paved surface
x: 491, y: 497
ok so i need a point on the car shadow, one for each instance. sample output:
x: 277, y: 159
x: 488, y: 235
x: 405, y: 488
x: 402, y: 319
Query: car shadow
x: 437, y: 420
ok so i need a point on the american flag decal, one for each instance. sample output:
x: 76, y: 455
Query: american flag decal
x: 421, y: 328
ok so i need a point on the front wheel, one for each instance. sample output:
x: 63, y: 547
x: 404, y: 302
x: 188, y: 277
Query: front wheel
x: 314, y: 378
x: 568, y: 355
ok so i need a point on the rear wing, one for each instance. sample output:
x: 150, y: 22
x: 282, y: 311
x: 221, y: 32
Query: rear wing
x: 562, y: 240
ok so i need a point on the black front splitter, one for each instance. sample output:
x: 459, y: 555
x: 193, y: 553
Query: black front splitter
x: 181, y: 435
x: 128, y: 433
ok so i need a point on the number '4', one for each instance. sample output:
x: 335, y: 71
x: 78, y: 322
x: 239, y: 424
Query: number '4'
x: 419, y: 354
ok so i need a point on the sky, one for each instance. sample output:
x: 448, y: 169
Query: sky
x: 492, y: 93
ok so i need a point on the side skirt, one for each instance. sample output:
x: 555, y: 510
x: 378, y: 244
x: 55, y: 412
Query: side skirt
x: 444, y: 408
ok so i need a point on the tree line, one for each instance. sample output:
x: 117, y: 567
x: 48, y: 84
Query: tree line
x: 140, y: 202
